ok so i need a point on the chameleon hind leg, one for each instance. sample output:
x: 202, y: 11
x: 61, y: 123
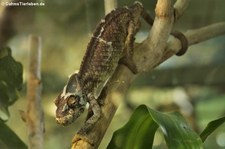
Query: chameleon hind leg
x: 127, y: 60
x: 129, y: 43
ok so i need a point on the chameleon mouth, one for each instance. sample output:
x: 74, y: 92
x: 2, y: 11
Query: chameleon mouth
x: 69, y: 118
x: 65, y: 120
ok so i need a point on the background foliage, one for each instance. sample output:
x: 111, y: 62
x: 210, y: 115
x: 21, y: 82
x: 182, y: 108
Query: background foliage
x: 10, y: 84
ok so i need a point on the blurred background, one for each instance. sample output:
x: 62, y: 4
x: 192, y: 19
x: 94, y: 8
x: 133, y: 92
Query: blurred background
x: 193, y: 84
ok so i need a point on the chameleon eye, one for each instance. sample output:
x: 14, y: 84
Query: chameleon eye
x: 72, y: 101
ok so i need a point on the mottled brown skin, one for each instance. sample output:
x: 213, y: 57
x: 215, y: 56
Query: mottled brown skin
x: 111, y: 43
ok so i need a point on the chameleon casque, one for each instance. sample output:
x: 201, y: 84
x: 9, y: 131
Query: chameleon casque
x: 111, y: 44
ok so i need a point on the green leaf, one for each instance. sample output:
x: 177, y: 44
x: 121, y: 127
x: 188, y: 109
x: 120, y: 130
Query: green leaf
x: 139, y: 132
x: 10, y: 81
x: 211, y: 127
x: 177, y: 132
x: 8, y: 139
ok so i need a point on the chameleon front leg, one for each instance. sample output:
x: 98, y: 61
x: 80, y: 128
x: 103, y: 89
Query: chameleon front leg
x: 95, y: 107
x: 90, y: 122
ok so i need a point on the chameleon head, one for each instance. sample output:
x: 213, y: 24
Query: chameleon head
x: 70, y: 103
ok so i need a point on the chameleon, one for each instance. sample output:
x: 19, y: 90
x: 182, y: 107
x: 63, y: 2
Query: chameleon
x: 111, y: 44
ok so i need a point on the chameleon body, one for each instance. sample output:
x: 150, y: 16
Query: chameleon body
x: 111, y: 42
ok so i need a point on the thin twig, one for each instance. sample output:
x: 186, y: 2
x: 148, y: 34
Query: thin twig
x: 198, y: 35
x: 34, y: 115
x: 194, y: 36
x: 180, y: 7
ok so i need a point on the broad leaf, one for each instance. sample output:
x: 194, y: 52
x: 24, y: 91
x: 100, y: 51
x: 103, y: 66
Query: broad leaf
x: 177, y: 132
x: 211, y: 127
x: 8, y: 139
x: 139, y: 132
x: 10, y: 81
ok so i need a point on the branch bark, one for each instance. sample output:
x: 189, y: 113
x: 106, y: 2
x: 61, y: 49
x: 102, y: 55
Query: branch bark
x: 180, y: 6
x: 194, y: 36
x: 157, y: 47
x: 34, y: 115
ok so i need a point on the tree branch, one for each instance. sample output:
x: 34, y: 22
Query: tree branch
x: 180, y: 6
x: 147, y: 55
x: 198, y: 35
x: 151, y: 50
x: 194, y: 36
x: 34, y: 116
